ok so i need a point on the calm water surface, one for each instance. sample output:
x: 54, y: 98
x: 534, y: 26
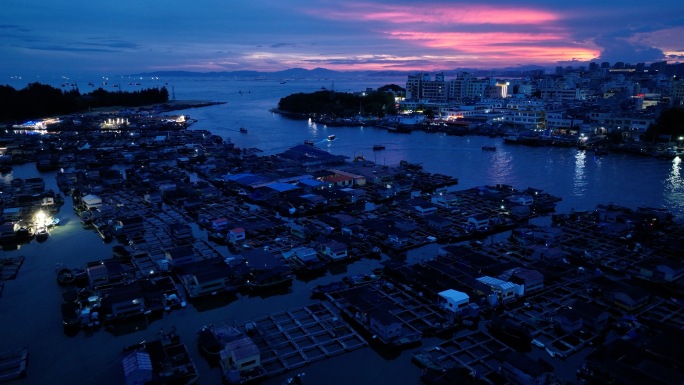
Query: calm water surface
x: 30, y: 304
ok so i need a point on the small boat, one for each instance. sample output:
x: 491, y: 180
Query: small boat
x: 378, y: 147
x: 42, y: 234
x: 309, y: 142
x: 331, y: 137
x: 488, y: 148
x: 243, y: 130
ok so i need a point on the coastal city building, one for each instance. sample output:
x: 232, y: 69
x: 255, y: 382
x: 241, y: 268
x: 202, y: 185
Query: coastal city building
x: 604, y: 99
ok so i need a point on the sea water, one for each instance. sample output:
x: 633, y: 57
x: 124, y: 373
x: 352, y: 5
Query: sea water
x: 30, y: 305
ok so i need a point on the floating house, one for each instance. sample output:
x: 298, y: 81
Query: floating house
x: 453, y: 300
x: 237, y: 234
x: 180, y: 255
x: 161, y: 361
x: 501, y: 290
x: 91, y: 201
x: 220, y: 224
x: 208, y: 277
x: 479, y: 221
x: 334, y: 251
x: 180, y: 231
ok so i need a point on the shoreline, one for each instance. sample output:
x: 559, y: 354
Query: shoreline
x: 157, y: 108
x: 173, y: 105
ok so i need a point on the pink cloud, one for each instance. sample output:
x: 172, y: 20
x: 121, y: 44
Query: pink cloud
x: 539, y: 47
x: 437, y: 14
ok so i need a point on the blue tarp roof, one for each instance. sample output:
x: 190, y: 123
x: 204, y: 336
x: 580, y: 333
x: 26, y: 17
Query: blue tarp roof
x: 248, y: 179
x: 281, y: 187
x: 310, y: 182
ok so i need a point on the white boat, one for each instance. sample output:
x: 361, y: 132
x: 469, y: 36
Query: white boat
x: 331, y: 137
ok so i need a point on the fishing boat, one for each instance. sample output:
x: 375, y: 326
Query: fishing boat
x: 42, y: 234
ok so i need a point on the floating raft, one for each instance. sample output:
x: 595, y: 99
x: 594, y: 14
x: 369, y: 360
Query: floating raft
x: 475, y: 350
x: 13, y: 364
x: 294, y: 338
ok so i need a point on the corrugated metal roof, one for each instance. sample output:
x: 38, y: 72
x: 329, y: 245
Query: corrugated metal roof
x: 495, y: 282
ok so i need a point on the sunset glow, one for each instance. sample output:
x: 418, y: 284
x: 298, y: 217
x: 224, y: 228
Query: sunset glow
x: 356, y: 35
x: 437, y: 14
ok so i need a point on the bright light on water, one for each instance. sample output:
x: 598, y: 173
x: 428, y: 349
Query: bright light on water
x: 580, y: 184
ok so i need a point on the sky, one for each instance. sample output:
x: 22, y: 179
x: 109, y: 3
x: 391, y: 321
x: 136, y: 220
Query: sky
x: 133, y: 36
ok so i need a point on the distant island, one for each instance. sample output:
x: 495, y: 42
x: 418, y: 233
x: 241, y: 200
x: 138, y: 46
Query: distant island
x: 324, y: 73
x: 40, y: 100
x: 334, y: 104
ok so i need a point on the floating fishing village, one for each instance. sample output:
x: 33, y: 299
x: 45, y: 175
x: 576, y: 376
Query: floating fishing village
x: 590, y: 297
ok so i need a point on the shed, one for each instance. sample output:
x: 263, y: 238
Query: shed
x: 137, y: 367
x: 242, y: 354
x: 237, y: 234
x: 92, y: 201
x: 453, y: 300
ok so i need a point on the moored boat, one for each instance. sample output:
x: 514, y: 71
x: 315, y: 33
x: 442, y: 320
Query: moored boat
x: 378, y: 147
x: 42, y: 234
x: 243, y: 130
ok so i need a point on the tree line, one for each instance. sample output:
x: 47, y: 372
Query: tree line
x: 40, y: 100
x: 670, y: 125
x: 340, y: 104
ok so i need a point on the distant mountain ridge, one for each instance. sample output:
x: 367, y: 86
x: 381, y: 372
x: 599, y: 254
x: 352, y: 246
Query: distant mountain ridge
x: 327, y: 73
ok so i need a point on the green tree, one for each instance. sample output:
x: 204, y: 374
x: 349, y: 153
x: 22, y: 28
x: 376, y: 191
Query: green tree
x: 670, y: 122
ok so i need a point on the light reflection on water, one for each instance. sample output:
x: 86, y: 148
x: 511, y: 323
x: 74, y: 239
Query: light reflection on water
x: 501, y: 167
x: 579, y: 186
x: 674, y: 185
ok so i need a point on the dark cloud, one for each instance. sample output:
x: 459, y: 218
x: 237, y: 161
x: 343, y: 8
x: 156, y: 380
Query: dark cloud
x: 620, y: 49
x: 111, y: 43
x: 69, y: 48
x: 89, y: 45
x: 282, y: 45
